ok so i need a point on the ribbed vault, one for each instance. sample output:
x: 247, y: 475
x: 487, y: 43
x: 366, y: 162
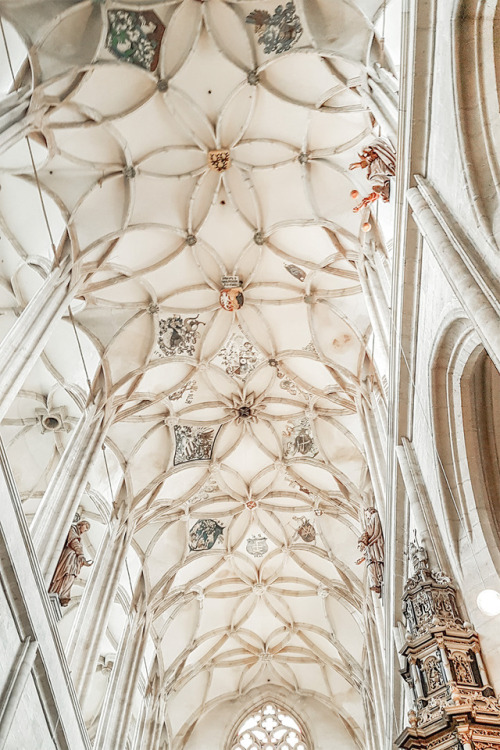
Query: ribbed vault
x: 233, y: 438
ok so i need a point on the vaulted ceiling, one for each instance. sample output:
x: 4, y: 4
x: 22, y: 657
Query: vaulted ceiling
x: 237, y: 433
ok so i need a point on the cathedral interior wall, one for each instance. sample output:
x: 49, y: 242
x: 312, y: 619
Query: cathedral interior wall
x: 444, y: 343
x: 448, y: 404
x: 214, y: 729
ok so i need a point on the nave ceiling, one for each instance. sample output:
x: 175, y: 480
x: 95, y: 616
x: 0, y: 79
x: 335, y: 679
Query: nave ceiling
x: 234, y: 440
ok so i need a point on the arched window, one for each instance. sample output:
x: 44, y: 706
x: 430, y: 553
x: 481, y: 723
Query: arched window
x: 466, y: 400
x: 481, y: 402
x: 269, y: 727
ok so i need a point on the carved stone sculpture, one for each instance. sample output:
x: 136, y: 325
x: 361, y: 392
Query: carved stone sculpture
x: 70, y: 563
x: 449, y: 690
x: 371, y: 545
x: 379, y: 160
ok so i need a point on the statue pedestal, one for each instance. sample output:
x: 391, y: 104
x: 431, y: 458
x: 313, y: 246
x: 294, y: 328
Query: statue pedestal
x: 56, y: 606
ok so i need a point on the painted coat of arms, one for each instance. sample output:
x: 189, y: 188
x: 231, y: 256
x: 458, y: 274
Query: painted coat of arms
x: 204, y: 533
x: 299, y: 440
x: 193, y: 443
x: 297, y: 272
x: 278, y: 32
x: 257, y: 545
x: 187, y: 390
x: 177, y: 335
x: 135, y: 37
x: 238, y: 357
x: 306, y: 530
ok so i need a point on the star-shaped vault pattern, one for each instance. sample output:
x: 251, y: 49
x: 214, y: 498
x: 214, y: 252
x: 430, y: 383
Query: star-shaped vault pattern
x: 178, y: 143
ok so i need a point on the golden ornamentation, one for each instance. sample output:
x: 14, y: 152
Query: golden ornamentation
x: 219, y: 160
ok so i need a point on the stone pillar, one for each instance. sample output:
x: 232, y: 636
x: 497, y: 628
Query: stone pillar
x: 476, y: 300
x: 377, y: 306
x: 465, y: 736
x: 377, y: 673
x: 416, y: 679
x: 150, y: 735
x: 116, y: 711
x: 445, y: 660
x: 59, y: 504
x: 383, y: 98
x: 480, y: 663
x: 374, y: 449
x: 15, y: 690
x: 14, y: 119
x: 94, y: 609
x: 23, y: 344
x: 420, y: 505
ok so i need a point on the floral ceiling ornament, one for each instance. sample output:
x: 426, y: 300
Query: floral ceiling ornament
x: 193, y: 443
x: 219, y: 160
x: 278, y: 32
x: 245, y: 408
x: 204, y: 533
x: 135, y: 37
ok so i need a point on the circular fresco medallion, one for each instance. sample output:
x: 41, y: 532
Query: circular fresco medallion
x: 231, y: 299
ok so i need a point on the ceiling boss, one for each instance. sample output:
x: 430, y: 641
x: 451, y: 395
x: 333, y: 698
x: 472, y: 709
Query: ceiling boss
x: 231, y: 295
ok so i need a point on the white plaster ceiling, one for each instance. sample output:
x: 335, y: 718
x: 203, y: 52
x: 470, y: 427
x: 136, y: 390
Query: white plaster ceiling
x: 277, y: 598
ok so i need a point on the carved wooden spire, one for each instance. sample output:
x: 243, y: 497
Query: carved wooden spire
x: 454, y: 706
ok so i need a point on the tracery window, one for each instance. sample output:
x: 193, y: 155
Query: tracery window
x: 270, y: 728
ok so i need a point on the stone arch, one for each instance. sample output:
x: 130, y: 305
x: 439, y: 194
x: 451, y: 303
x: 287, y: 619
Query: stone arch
x: 481, y: 407
x: 476, y: 77
x: 465, y: 406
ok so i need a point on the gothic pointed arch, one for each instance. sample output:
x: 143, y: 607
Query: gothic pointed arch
x: 466, y: 411
x: 476, y: 80
x: 269, y: 723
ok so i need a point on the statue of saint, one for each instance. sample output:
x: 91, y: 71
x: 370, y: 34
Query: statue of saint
x: 371, y: 546
x: 379, y: 160
x: 70, y: 563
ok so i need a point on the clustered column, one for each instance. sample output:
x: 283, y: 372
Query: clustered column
x: 116, y: 712
x: 98, y: 598
x: 151, y: 732
x: 60, y: 502
x: 25, y: 341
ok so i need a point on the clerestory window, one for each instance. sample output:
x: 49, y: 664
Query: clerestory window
x: 270, y: 728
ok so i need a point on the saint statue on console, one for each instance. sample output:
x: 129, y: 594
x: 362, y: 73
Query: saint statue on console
x: 70, y: 563
x: 379, y: 161
x: 371, y: 546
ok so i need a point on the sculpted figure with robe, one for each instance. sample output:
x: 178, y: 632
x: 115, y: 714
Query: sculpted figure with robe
x: 70, y: 563
x: 379, y: 160
x: 371, y: 545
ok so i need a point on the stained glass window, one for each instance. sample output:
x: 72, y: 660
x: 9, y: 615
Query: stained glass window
x: 270, y: 728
